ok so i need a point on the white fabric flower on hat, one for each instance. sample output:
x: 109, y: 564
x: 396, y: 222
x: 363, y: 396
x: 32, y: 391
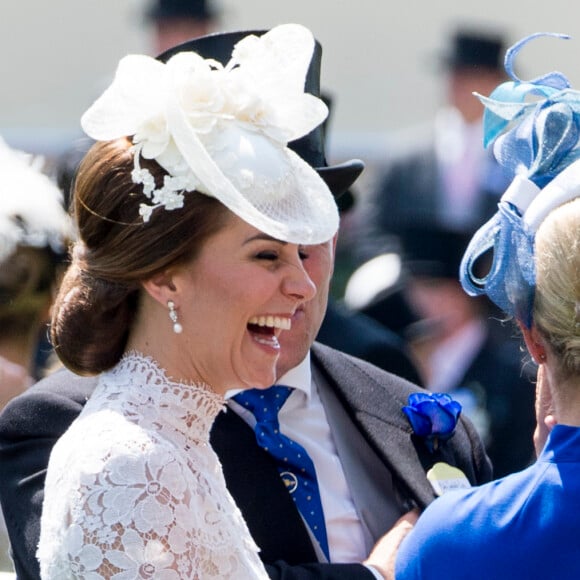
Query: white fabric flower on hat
x: 224, y: 130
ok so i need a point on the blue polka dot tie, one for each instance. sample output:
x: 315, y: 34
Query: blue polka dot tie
x: 294, y: 464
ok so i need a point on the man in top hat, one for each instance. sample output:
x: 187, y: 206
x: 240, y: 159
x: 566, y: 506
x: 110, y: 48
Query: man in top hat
x: 176, y: 21
x: 461, y: 348
x: 441, y: 174
x: 346, y: 413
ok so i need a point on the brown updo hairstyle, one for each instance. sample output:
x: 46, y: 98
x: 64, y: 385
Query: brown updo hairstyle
x: 115, y: 251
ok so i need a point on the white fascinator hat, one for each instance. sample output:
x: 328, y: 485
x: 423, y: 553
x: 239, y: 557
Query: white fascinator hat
x: 235, y: 116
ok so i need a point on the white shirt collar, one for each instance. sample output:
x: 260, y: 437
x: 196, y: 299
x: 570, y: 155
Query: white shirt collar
x: 300, y: 377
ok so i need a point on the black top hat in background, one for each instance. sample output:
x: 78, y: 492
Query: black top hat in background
x: 164, y: 9
x: 433, y: 251
x: 219, y: 47
x: 472, y: 48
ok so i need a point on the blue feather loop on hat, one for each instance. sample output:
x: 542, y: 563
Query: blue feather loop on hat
x: 534, y: 127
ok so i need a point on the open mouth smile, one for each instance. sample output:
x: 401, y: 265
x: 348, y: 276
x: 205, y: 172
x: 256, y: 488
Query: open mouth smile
x: 266, y: 329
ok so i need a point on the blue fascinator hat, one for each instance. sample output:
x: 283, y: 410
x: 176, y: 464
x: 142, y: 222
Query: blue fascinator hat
x: 534, y: 127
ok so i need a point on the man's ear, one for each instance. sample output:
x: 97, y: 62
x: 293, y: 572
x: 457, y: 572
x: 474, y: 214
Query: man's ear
x: 160, y: 287
x: 534, y: 343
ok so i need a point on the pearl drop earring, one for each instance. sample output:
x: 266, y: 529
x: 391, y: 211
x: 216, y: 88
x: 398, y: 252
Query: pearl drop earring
x: 177, y: 328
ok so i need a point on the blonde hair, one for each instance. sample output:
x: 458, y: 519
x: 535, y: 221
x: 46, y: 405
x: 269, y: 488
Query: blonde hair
x: 557, y: 298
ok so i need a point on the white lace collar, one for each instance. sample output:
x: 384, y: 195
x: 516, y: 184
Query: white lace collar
x: 149, y: 396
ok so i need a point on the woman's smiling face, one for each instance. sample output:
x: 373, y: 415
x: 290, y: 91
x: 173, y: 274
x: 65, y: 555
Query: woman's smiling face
x: 234, y: 300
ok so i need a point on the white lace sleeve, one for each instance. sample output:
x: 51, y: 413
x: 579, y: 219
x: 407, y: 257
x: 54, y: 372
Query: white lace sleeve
x: 145, y: 513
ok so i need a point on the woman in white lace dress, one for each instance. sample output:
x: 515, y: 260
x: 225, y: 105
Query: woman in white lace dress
x: 192, y: 214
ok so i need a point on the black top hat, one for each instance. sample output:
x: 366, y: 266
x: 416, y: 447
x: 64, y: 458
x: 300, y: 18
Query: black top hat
x: 433, y: 250
x: 219, y: 47
x: 475, y: 49
x: 198, y: 9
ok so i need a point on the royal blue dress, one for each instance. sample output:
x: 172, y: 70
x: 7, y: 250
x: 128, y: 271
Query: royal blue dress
x: 526, y: 525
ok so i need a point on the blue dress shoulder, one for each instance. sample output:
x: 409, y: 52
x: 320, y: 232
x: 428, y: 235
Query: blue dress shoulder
x: 525, y: 525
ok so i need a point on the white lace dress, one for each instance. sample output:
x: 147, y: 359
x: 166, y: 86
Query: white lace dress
x: 134, y: 489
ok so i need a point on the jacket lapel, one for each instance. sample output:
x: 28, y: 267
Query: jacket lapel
x: 376, y: 409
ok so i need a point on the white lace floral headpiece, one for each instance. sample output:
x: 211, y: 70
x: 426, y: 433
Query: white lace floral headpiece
x: 223, y: 131
x: 31, y: 205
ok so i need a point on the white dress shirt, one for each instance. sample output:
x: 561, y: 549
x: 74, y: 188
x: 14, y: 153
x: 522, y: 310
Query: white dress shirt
x: 462, y: 158
x: 302, y: 418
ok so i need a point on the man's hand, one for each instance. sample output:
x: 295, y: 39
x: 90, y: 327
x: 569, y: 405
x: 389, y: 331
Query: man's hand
x: 383, y: 555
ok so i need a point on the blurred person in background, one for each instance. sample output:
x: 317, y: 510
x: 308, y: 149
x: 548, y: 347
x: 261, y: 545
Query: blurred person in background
x: 177, y: 21
x: 436, y: 190
x: 461, y: 349
x: 34, y: 230
x: 442, y: 175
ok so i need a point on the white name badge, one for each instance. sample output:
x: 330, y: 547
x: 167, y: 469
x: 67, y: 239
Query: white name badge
x: 444, y: 477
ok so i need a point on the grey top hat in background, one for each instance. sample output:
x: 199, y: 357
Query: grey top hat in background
x: 472, y: 48
x: 165, y: 9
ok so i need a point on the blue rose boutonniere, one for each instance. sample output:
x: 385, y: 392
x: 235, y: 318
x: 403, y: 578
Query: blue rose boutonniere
x: 433, y: 417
